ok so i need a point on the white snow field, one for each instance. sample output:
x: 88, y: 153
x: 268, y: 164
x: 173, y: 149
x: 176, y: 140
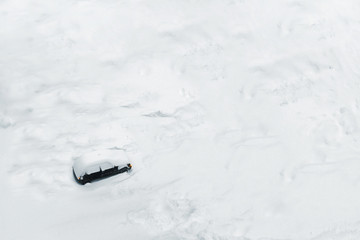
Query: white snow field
x: 241, y: 119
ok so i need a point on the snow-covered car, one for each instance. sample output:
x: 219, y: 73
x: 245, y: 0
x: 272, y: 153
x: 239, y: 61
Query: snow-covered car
x: 100, y: 164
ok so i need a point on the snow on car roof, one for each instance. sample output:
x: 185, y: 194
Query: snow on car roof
x: 105, y: 158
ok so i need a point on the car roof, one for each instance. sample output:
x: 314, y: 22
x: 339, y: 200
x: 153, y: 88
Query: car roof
x: 92, y: 161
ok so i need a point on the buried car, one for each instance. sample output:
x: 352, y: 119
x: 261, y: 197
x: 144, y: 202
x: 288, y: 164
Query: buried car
x: 100, y: 164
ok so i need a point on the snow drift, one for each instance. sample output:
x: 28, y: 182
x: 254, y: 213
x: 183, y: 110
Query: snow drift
x: 241, y: 118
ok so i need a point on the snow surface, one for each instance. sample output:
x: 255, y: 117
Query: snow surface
x: 241, y: 118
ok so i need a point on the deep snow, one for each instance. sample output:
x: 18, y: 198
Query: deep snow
x: 241, y: 118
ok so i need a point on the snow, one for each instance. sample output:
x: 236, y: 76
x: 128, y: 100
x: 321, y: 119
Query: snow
x: 240, y: 117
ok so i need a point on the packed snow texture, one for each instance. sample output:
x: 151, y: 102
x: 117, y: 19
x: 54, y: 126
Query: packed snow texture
x: 241, y: 119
